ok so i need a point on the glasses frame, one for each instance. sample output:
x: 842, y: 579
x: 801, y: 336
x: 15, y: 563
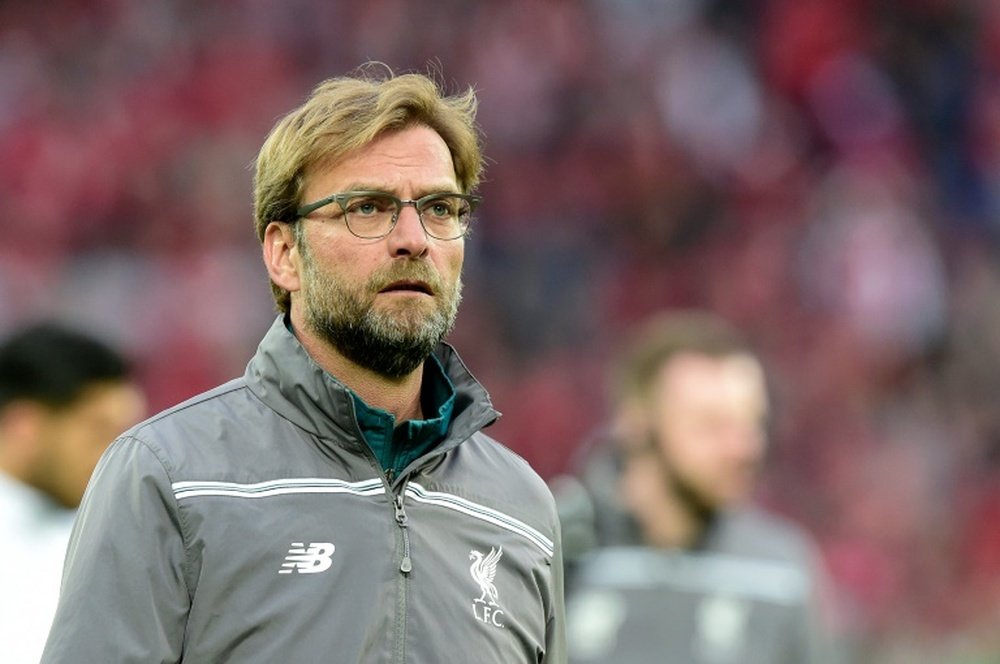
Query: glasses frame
x: 341, y: 198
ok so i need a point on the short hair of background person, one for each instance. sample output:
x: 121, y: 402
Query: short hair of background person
x: 64, y: 396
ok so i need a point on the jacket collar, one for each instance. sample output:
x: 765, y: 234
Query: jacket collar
x: 288, y: 380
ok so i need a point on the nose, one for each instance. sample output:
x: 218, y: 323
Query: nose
x: 408, y: 237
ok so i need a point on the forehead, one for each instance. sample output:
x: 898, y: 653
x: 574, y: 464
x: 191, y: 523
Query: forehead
x: 693, y: 378
x: 412, y: 157
x: 116, y: 399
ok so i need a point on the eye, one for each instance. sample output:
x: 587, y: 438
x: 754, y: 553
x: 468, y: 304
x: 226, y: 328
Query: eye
x: 368, y: 206
x: 446, y: 207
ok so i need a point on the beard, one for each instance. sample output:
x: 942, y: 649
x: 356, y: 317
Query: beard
x: 700, y: 505
x: 391, y: 342
x: 696, y: 501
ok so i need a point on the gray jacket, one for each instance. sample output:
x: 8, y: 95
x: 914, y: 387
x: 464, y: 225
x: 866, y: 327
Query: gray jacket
x: 253, y: 524
x: 752, y: 593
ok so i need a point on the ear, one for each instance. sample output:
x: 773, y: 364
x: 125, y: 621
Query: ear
x: 631, y: 421
x: 281, y: 255
x: 21, y: 423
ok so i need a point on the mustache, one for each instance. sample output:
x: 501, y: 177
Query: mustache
x: 406, y: 270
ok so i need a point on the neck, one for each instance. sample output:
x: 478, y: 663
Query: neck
x: 398, y: 396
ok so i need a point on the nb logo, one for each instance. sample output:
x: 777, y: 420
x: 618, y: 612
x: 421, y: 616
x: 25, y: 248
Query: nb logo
x: 310, y: 559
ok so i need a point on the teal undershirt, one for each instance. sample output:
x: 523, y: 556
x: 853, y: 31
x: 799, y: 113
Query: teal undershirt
x: 395, y: 447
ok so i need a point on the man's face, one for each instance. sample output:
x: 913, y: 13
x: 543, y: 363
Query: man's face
x: 708, y: 427
x: 72, y: 438
x: 383, y: 303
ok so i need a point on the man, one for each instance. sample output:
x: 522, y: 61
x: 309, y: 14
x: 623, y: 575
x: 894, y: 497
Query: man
x: 339, y: 502
x: 64, y: 396
x: 695, y: 572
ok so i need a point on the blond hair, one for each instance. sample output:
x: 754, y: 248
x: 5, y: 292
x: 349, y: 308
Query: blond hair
x: 346, y: 113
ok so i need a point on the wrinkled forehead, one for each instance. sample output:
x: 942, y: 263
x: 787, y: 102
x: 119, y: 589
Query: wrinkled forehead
x: 413, y: 153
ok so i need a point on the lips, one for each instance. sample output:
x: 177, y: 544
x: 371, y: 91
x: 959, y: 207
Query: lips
x: 408, y: 286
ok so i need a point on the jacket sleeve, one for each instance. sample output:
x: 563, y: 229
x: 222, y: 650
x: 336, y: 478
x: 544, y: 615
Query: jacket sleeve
x: 124, y: 597
x: 827, y: 642
x: 819, y: 639
x: 555, y: 629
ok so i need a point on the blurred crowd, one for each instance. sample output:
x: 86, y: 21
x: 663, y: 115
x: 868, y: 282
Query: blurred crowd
x: 824, y: 173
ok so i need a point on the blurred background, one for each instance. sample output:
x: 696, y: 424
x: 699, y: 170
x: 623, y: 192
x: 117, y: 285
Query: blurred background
x: 825, y: 173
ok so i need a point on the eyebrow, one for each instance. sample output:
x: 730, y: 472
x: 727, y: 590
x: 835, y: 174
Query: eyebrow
x: 368, y: 186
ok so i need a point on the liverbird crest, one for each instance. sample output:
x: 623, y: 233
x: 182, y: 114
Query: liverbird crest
x: 483, y: 570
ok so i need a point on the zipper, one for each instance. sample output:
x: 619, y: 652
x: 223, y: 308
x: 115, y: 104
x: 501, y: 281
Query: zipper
x: 403, y: 582
x: 406, y: 565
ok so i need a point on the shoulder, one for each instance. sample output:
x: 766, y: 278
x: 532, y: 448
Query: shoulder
x: 756, y: 532
x: 218, y: 398
x: 202, y: 427
x: 489, y: 459
x: 488, y: 473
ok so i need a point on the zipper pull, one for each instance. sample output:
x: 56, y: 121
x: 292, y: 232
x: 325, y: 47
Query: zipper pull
x: 406, y: 565
x: 397, y: 504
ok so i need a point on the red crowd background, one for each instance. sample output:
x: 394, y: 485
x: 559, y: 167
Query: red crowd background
x: 826, y: 173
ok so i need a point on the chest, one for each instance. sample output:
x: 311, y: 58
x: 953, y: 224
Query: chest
x: 323, y: 563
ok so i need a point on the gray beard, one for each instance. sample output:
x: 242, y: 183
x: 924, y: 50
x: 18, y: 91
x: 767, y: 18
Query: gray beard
x: 390, y: 343
x: 377, y: 342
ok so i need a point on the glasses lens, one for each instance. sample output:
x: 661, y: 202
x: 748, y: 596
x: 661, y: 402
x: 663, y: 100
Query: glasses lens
x: 446, y: 217
x: 369, y: 215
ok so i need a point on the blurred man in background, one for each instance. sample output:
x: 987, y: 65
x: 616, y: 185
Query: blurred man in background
x: 686, y: 570
x: 63, y: 397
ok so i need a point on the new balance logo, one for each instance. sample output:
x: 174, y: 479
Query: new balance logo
x: 308, y: 560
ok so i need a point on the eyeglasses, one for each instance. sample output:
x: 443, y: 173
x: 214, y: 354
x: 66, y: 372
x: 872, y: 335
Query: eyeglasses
x: 373, y: 214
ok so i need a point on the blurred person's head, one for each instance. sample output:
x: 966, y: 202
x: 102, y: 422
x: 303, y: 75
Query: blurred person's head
x: 345, y: 117
x: 64, y: 396
x: 691, y: 406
